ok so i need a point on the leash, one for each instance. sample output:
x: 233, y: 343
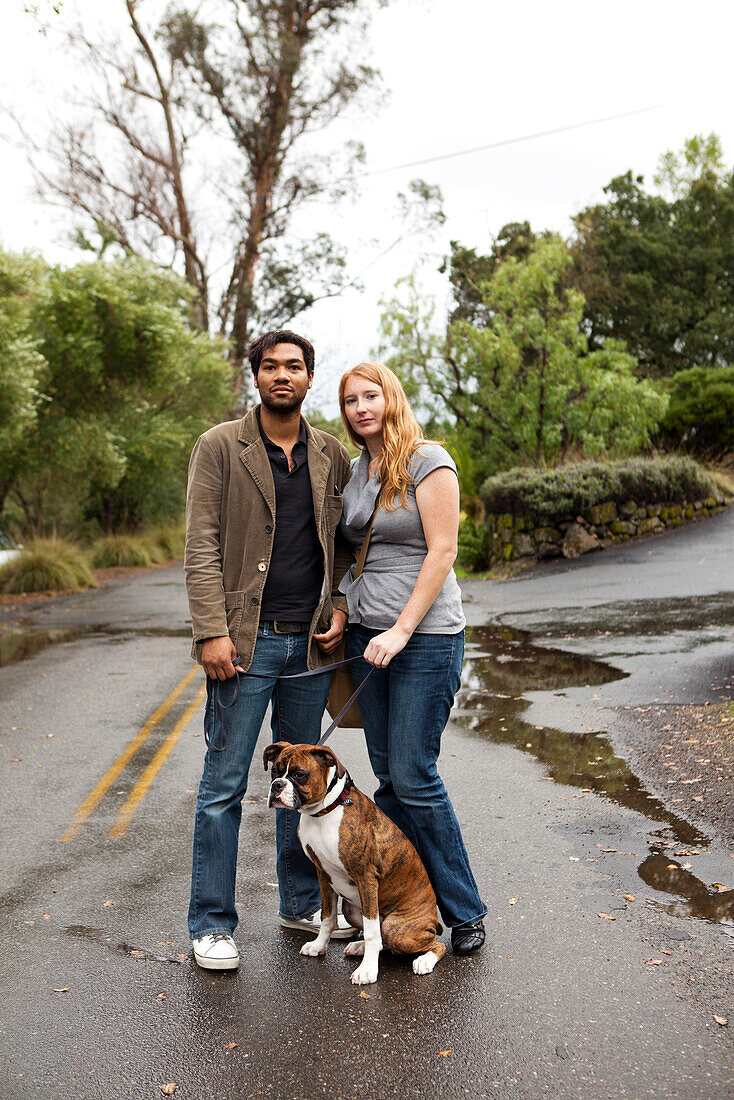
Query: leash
x: 214, y: 697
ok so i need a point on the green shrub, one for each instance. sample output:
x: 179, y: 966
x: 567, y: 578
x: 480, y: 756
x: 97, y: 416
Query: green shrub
x: 700, y: 414
x: 46, y: 565
x: 473, y: 546
x: 547, y: 496
x: 115, y: 550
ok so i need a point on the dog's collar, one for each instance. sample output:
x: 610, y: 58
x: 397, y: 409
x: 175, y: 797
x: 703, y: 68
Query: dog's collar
x: 337, y: 794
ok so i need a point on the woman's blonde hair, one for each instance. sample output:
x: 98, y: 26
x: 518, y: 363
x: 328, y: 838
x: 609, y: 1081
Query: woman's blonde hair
x: 401, y: 434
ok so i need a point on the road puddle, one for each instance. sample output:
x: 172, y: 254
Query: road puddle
x: 501, y: 666
x: 98, y: 935
x: 20, y: 641
x: 17, y: 643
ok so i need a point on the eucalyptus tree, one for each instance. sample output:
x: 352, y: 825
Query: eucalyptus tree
x: 191, y: 147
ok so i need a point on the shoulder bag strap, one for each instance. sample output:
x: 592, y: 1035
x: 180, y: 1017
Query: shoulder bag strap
x: 362, y: 555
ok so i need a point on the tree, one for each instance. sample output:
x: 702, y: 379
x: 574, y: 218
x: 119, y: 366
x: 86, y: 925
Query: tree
x: 524, y: 388
x: 125, y: 388
x: 21, y: 364
x: 700, y: 415
x: 468, y: 271
x: 657, y: 272
x: 257, y: 79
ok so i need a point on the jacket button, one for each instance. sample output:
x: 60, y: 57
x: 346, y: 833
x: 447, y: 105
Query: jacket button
x: 254, y: 599
x: 262, y: 566
x: 268, y: 528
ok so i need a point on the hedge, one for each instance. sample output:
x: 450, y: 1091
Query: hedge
x: 547, y: 496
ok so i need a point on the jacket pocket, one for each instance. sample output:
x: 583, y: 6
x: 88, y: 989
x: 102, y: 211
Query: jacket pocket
x: 234, y: 603
x: 333, y: 511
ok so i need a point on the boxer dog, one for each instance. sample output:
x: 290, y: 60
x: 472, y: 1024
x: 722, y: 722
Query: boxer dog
x: 359, y: 856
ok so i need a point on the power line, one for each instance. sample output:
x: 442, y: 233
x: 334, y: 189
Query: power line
x: 517, y: 140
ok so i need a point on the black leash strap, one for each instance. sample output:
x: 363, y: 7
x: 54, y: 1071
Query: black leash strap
x: 214, y: 697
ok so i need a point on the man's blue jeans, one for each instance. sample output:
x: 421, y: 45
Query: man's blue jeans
x: 405, y: 708
x: 297, y: 711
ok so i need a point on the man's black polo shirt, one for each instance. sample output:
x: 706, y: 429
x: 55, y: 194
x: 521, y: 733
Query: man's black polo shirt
x: 296, y: 574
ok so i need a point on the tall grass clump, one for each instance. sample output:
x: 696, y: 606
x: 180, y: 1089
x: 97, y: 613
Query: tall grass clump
x: 166, y: 543
x: 46, y: 565
x: 117, y: 550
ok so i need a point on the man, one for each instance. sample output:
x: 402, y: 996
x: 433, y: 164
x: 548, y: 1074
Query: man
x: 262, y: 573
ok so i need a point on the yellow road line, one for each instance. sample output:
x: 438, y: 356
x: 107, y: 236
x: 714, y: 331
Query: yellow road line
x: 139, y: 791
x: 109, y: 777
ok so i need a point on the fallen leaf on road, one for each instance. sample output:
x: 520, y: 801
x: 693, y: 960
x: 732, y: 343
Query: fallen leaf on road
x: 664, y: 951
x: 161, y: 996
x: 230, y: 1046
x: 654, y: 962
x: 365, y: 995
x: 443, y: 1053
x: 512, y: 901
x: 610, y: 849
x: 64, y: 990
x: 574, y: 859
x: 629, y: 897
x: 686, y: 866
x: 169, y: 1089
x: 721, y: 1020
x: 719, y: 886
x: 108, y: 903
x: 606, y: 916
x: 137, y: 954
x: 46, y: 916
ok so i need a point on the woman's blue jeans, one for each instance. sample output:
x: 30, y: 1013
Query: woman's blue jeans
x: 297, y: 711
x: 405, y: 708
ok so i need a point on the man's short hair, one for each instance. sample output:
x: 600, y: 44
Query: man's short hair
x: 283, y: 336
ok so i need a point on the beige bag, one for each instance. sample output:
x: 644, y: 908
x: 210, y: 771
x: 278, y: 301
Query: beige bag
x: 342, y: 682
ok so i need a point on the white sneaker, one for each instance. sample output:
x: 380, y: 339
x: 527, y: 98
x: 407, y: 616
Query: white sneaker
x: 343, y: 930
x: 217, y: 951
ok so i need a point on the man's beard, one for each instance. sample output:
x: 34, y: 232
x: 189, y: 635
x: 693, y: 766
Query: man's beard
x: 283, y: 404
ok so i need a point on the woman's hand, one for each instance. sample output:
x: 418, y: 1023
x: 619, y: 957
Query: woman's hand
x: 383, y: 647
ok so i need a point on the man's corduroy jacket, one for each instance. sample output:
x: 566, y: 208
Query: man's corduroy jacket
x: 230, y: 525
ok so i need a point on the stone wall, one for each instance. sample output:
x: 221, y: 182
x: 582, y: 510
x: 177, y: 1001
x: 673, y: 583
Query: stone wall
x: 514, y: 538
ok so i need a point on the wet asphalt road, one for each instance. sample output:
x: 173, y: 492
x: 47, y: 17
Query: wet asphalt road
x: 559, y: 826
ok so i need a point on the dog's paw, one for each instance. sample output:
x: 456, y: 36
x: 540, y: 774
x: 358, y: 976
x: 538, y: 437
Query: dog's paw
x: 365, y: 974
x: 424, y: 964
x: 354, y: 948
x: 313, y: 947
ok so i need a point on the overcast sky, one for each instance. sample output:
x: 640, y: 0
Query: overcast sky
x: 460, y: 74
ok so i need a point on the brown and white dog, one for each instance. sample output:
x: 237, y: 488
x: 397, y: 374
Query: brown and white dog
x: 360, y: 856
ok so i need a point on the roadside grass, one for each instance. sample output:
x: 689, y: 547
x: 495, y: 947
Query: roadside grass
x: 723, y: 479
x: 152, y: 547
x: 166, y: 543
x: 46, y: 565
x: 117, y: 550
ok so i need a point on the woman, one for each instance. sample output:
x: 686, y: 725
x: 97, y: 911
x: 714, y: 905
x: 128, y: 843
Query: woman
x: 405, y: 618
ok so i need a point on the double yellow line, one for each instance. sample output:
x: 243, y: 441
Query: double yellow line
x: 140, y: 789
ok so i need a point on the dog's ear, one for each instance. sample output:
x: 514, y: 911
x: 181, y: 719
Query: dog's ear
x: 329, y: 759
x: 272, y: 752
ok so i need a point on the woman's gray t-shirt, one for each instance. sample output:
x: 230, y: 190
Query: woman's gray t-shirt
x: 396, y: 551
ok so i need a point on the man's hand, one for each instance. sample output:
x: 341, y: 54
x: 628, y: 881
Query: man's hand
x: 328, y: 641
x: 217, y: 655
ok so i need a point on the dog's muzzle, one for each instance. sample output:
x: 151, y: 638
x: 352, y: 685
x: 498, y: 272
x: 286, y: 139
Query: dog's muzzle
x: 284, y: 794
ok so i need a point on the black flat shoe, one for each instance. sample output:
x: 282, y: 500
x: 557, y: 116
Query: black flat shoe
x: 467, y: 938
